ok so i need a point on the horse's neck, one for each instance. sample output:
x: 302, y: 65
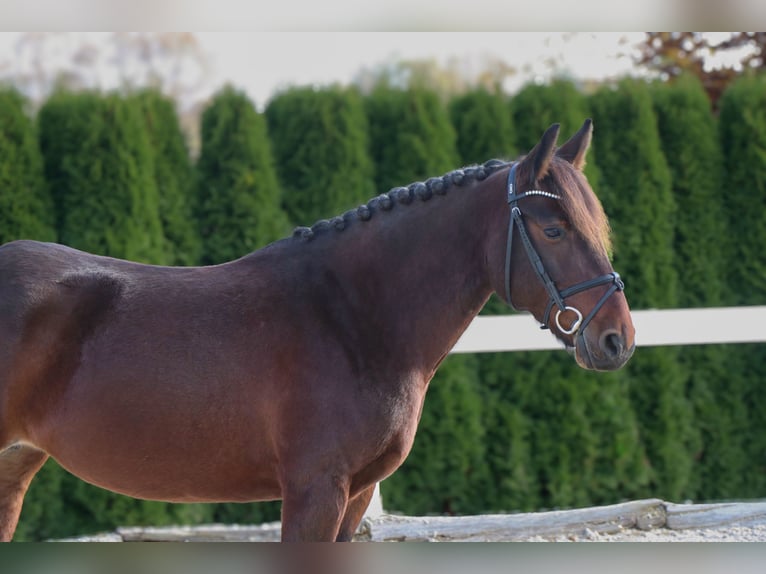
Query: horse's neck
x: 421, y: 275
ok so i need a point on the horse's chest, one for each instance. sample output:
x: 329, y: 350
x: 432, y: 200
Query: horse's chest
x: 396, y: 426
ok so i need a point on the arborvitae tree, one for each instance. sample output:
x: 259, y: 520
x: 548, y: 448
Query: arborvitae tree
x: 690, y: 143
x: 511, y: 476
x: 411, y: 136
x: 483, y: 125
x: 238, y: 196
x: 26, y: 208
x: 319, y: 138
x: 637, y: 194
x: 172, y: 176
x: 444, y: 472
x: 743, y: 140
x: 99, y: 168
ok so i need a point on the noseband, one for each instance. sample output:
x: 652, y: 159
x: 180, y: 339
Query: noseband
x: 556, y: 297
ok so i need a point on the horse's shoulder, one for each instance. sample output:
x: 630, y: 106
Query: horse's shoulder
x: 35, y: 274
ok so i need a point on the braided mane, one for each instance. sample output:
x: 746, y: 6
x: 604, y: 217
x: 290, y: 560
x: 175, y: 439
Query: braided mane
x: 422, y: 191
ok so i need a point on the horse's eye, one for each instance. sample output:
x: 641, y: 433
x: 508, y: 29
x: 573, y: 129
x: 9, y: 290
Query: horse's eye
x: 553, y: 232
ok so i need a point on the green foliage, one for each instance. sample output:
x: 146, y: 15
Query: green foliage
x: 743, y: 140
x: 26, y: 208
x: 173, y: 177
x: 688, y: 134
x: 238, y: 196
x: 411, y: 136
x: 637, y: 194
x: 246, y: 512
x: 511, y: 483
x: 483, y: 125
x: 99, y: 167
x: 319, y: 137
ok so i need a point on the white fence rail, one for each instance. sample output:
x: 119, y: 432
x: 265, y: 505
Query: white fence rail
x: 653, y: 328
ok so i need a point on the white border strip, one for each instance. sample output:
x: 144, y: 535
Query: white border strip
x: 497, y: 333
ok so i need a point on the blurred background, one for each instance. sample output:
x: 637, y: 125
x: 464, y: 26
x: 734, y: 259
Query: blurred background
x: 196, y: 148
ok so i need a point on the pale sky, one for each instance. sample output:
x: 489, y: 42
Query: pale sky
x: 263, y: 62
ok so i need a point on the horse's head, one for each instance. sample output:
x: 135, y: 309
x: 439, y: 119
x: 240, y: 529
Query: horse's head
x: 557, y: 253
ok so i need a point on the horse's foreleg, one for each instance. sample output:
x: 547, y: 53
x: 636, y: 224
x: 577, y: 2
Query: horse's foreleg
x: 312, y: 512
x: 18, y: 465
x: 354, y: 513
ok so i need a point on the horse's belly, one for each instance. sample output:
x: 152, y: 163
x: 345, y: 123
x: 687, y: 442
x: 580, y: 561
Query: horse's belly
x: 172, y: 475
x: 165, y: 453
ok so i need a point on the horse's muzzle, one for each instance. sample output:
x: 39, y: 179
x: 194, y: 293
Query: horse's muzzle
x: 609, y: 353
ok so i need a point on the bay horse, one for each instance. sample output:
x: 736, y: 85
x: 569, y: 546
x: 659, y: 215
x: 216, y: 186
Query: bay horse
x: 297, y: 372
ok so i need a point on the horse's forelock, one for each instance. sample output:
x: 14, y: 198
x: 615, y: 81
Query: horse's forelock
x: 582, y: 208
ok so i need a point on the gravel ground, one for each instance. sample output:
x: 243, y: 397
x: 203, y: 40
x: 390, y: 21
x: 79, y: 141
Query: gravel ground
x: 650, y: 520
x: 752, y: 533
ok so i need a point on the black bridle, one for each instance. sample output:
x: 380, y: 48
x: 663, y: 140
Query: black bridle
x: 556, y: 297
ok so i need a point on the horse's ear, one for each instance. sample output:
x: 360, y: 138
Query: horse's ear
x: 576, y: 148
x: 541, y: 155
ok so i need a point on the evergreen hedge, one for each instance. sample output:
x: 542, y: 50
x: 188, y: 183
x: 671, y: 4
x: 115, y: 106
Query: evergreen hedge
x: 743, y: 140
x: 26, y: 207
x: 484, y: 126
x: 320, y: 145
x: 688, y: 132
x: 636, y: 190
x: 238, y: 199
x: 173, y: 177
x: 99, y: 168
x: 411, y: 136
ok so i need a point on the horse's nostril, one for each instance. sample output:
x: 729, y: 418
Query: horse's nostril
x: 611, y: 344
